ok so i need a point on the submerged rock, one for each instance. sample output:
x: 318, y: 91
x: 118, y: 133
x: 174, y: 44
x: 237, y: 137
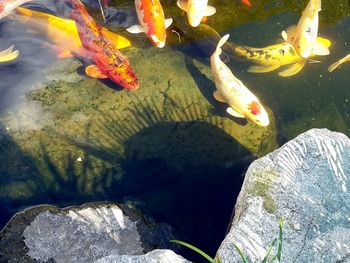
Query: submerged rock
x: 306, y: 183
x: 84, y: 234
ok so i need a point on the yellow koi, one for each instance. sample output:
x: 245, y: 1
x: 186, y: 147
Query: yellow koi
x: 273, y: 57
x: 63, y: 32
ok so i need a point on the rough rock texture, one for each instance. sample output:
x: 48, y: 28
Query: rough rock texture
x: 82, y: 234
x: 306, y: 182
x: 155, y: 256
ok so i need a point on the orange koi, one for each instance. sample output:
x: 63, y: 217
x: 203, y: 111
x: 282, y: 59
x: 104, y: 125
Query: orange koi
x: 246, y: 2
x: 109, y: 61
x: 151, y: 17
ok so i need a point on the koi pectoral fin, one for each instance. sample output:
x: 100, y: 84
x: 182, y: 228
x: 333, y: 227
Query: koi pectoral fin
x: 168, y: 22
x: 7, y: 51
x: 218, y: 96
x: 94, y: 72
x: 262, y: 69
x: 288, y: 34
x: 8, y: 56
x: 135, y: 29
x: 293, y: 69
x: 320, y: 49
x: 182, y: 4
x: 234, y: 113
x: 210, y: 11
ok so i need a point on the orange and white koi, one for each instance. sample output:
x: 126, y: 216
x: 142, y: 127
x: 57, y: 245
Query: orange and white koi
x: 7, y: 6
x: 196, y: 10
x: 108, y: 61
x: 242, y: 102
x: 152, y: 21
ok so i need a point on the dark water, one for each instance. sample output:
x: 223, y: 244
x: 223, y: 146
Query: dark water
x: 169, y: 148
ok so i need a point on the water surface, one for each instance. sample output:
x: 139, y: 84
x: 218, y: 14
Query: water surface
x: 169, y: 148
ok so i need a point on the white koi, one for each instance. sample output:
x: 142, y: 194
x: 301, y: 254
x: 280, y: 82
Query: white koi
x: 196, y: 10
x: 303, y: 36
x: 242, y: 102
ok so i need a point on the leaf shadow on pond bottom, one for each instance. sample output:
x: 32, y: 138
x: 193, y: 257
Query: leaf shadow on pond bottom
x: 187, y: 175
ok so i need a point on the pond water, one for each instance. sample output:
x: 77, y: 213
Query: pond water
x: 169, y: 148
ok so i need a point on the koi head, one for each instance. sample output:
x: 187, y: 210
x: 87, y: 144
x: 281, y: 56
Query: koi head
x: 115, y: 66
x: 119, y: 70
x: 304, y: 47
x: 158, y: 38
x: 124, y: 76
x: 257, y: 114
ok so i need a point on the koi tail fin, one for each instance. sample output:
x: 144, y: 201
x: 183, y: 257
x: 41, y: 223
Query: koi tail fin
x: 222, y: 41
x: 338, y: 63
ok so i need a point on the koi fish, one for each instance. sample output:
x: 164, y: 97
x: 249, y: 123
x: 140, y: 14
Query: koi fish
x: 196, y: 10
x: 62, y: 33
x: 242, y: 102
x: 8, y: 54
x: 108, y: 60
x: 152, y: 22
x: 7, y: 6
x: 303, y: 37
x: 338, y: 63
x: 246, y: 2
x: 273, y: 57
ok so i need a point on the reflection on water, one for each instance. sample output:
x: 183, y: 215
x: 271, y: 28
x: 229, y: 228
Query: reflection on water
x: 169, y: 148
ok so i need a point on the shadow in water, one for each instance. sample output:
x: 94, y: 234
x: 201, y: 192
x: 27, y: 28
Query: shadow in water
x: 18, y: 178
x: 187, y: 175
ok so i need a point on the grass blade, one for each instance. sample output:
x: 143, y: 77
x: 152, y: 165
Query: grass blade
x: 279, y: 252
x: 200, y: 252
x: 217, y: 259
x: 241, y: 253
x: 278, y: 256
x: 273, y: 243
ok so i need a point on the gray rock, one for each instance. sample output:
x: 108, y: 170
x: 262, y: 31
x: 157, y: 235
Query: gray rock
x: 81, y: 234
x: 306, y: 182
x: 155, y: 256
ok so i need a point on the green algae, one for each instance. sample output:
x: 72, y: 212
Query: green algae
x: 81, y: 146
x: 262, y: 187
